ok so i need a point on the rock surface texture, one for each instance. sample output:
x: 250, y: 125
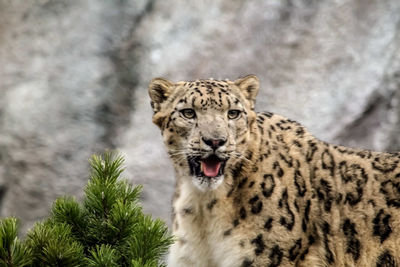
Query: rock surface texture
x: 74, y: 75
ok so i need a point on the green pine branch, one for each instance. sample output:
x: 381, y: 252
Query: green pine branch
x: 107, y: 229
x: 12, y: 251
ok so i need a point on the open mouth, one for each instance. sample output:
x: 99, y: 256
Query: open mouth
x: 211, y: 166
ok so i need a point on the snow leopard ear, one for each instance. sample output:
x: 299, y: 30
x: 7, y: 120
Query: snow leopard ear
x: 249, y: 86
x: 159, y: 90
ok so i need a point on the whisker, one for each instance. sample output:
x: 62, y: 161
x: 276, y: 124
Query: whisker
x: 240, y: 156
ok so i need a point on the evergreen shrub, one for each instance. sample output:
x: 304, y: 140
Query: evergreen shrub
x: 108, y: 229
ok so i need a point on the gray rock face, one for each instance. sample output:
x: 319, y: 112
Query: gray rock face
x: 74, y: 81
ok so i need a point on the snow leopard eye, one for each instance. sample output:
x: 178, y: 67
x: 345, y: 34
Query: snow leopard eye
x: 188, y: 113
x: 233, y: 114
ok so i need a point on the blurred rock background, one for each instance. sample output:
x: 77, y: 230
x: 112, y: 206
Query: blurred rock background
x: 74, y: 75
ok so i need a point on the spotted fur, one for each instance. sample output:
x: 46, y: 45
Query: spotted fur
x: 283, y: 197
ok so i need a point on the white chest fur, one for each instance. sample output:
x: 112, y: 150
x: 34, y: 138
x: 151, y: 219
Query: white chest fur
x: 202, y: 222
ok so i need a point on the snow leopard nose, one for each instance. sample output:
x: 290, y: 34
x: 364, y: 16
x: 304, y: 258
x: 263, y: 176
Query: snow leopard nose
x: 214, y: 143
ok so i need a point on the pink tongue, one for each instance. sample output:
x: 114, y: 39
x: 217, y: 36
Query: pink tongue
x: 210, y: 167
